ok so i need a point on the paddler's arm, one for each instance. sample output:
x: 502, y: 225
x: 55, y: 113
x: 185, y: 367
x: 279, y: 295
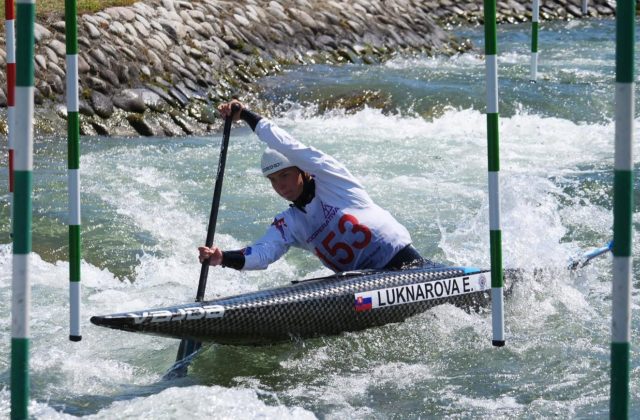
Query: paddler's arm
x: 216, y: 256
x: 258, y: 256
x: 304, y: 157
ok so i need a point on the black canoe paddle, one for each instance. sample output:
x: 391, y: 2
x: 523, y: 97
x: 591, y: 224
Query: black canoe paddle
x: 189, y: 347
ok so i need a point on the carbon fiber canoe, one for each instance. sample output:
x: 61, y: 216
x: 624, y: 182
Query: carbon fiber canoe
x: 343, y: 302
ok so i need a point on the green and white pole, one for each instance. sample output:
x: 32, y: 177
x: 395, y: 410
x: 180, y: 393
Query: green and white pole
x: 10, y: 32
x: 20, y: 287
x: 73, y: 144
x: 622, y: 209
x: 535, y: 12
x: 495, y: 234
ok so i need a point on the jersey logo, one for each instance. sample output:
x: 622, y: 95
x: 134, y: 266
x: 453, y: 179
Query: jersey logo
x: 329, y: 211
x: 280, y: 225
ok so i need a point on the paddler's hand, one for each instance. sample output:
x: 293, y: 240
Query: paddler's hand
x: 235, y: 106
x: 214, y: 254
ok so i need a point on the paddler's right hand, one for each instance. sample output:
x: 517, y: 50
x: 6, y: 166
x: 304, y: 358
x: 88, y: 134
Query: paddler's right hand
x: 234, y: 107
x: 214, y: 254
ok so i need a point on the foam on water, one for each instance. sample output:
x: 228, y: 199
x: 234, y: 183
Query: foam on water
x: 151, y: 197
x: 441, y: 166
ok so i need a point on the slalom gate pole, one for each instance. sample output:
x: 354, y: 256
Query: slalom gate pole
x: 10, y: 31
x: 73, y: 144
x: 622, y: 209
x: 535, y: 11
x: 585, y: 7
x: 495, y: 234
x: 20, y: 286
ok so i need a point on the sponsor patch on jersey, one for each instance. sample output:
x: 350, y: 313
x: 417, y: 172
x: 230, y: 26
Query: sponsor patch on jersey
x: 418, y: 292
x: 181, y: 314
x: 280, y: 225
x: 246, y: 251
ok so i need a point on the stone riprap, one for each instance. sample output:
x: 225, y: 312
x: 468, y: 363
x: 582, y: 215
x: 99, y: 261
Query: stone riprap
x: 156, y: 67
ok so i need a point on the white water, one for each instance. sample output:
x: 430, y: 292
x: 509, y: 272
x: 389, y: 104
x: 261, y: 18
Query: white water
x: 432, y: 176
x: 146, y: 203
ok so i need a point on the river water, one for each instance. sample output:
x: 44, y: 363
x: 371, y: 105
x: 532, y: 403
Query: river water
x: 146, y: 203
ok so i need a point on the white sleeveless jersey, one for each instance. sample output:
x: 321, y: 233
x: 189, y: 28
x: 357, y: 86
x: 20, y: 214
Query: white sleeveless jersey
x: 341, y: 225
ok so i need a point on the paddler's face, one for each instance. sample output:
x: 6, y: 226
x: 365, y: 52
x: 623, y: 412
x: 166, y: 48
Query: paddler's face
x: 287, y: 182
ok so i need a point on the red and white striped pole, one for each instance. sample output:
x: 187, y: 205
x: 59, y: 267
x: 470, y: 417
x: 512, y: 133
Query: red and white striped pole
x: 9, y: 11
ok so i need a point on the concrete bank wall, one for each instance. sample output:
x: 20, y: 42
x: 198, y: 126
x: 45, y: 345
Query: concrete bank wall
x: 156, y: 67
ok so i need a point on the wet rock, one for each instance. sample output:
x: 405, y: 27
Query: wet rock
x: 168, y: 129
x: 128, y: 100
x: 101, y: 104
x: 139, y: 124
x: 356, y: 101
x: 179, y: 97
x: 100, y: 128
x: 84, y: 108
x: 163, y: 94
x: 181, y: 122
x: 151, y: 99
x: 86, y: 129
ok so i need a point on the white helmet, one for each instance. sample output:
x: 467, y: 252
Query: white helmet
x: 273, y: 161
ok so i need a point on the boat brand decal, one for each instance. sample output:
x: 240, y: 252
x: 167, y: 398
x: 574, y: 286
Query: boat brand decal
x: 181, y: 314
x: 418, y: 292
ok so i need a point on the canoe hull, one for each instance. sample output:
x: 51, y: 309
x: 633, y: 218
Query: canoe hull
x: 310, y: 308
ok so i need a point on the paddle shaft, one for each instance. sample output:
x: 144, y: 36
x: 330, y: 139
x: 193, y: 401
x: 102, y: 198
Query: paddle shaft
x: 189, y: 347
x: 213, y: 216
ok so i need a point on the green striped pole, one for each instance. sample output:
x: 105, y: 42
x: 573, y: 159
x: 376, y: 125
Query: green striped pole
x: 73, y: 143
x: 535, y: 10
x: 20, y: 287
x: 9, y: 12
x: 495, y: 235
x: 622, y: 209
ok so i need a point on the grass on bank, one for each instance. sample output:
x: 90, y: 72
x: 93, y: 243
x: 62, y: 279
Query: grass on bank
x: 56, y: 7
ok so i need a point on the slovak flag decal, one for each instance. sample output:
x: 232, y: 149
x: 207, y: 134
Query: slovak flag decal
x: 363, y: 304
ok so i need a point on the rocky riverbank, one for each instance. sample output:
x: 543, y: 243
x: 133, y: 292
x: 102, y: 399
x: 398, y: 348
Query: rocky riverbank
x: 157, y: 67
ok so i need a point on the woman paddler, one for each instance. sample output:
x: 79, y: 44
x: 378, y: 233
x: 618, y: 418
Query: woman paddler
x: 330, y: 215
